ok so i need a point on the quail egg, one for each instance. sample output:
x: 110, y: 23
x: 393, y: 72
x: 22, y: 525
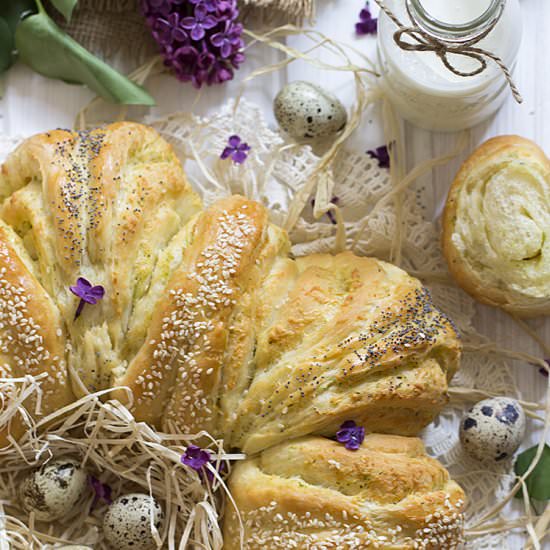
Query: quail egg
x: 306, y: 111
x: 74, y: 547
x: 53, y: 490
x: 492, y: 430
x: 127, y: 522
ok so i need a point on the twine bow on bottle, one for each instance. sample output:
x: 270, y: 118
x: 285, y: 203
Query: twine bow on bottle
x: 419, y: 40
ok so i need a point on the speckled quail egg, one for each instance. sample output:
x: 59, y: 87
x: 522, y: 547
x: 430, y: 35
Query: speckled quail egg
x: 492, y: 430
x: 53, y: 490
x: 126, y: 524
x: 306, y: 111
x: 74, y: 547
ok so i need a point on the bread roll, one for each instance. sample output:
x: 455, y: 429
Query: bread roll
x: 205, y: 318
x: 496, y: 226
x: 313, y: 494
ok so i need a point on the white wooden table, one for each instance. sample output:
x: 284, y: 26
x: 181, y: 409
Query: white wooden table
x: 32, y: 104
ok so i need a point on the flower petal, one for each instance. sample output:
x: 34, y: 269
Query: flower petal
x: 218, y: 39
x: 209, y: 22
x: 227, y: 152
x: 234, y: 141
x: 82, y: 282
x: 225, y: 50
x: 197, y: 32
x: 188, y: 22
x: 239, y: 157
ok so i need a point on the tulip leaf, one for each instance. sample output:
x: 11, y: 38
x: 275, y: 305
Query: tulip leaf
x: 43, y: 46
x: 66, y: 7
x: 538, y: 481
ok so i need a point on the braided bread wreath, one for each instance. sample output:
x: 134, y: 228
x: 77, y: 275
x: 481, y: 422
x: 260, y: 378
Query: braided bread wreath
x: 214, y: 327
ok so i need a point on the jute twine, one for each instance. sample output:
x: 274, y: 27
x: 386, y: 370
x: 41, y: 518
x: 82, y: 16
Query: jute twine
x: 424, y: 41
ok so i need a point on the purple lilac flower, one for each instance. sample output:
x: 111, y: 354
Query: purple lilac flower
x: 195, y: 457
x: 367, y: 23
x: 101, y: 490
x: 544, y: 371
x: 87, y: 293
x: 228, y: 40
x: 236, y: 149
x: 351, y: 435
x: 199, y: 23
x: 210, y: 5
x: 382, y: 155
x: 200, y: 40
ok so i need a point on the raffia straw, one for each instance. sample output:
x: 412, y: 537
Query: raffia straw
x: 543, y: 345
x: 130, y: 456
x: 403, y: 183
x: 321, y: 181
x: 541, y: 528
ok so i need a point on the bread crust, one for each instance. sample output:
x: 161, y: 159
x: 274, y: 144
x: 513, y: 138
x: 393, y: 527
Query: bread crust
x: 206, y: 322
x: 312, y: 493
x: 499, y: 284
x: 99, y: 205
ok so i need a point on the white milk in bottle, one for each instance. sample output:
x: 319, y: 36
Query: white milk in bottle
x: 419, y: 85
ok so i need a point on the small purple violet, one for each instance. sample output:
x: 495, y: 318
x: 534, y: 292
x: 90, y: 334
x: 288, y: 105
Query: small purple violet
x: 236, y: 149
x: 367, y: 23
x: 199, y: 459
x: 87, y: 293
x: 101, y: 490
x: 351, y: 435
x: 382, y: 155
x: 195, y: 457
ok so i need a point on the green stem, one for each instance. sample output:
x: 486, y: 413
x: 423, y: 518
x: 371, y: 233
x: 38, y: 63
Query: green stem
x: 40, y: 6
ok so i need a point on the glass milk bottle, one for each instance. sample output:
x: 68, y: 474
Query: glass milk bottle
x: 421, y: 88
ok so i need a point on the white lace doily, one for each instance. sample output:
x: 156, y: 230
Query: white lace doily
x: 273, y: 172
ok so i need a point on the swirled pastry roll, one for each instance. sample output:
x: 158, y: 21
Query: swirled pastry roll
x: 496, y: 226
x: 313, y: 494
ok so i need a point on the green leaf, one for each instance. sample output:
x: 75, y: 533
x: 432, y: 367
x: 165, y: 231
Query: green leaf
x: 538, y: 481
x: 12, y: 11
x: 7, y: 46
x: 49, y: 51
x: 66, y: 7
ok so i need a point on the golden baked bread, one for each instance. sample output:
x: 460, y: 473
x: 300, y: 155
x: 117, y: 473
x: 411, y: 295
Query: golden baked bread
x: 204, y: 317
x: 496, y: 226
x: 257, y: 348
x: 108, y: 205
x: 313, y: 494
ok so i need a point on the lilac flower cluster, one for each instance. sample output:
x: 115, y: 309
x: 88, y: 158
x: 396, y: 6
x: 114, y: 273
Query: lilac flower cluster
x: 367, y: 23
x: 200, y: 40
